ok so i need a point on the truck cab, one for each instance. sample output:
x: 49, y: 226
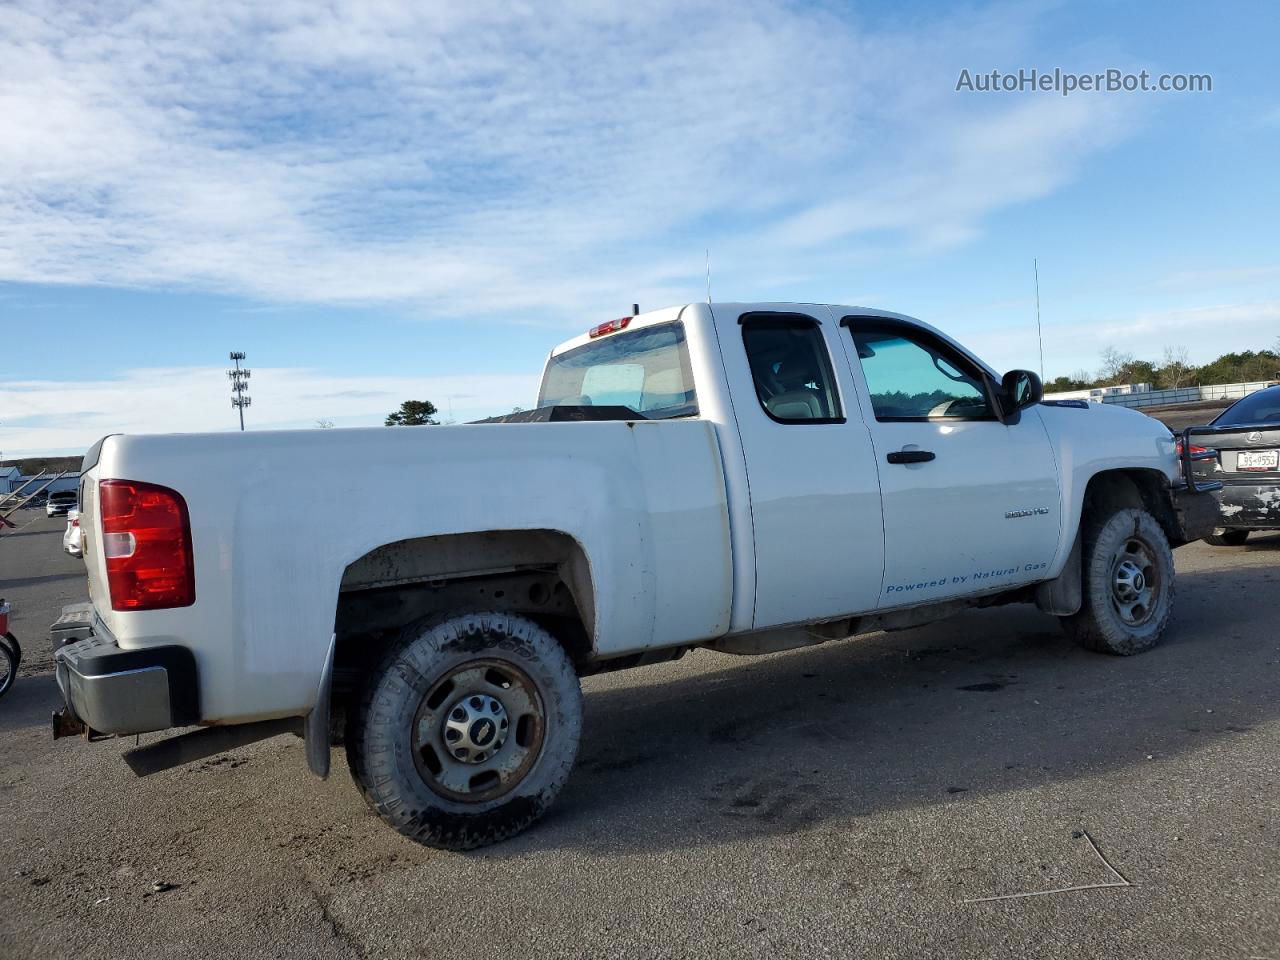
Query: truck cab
x: 871, y: 462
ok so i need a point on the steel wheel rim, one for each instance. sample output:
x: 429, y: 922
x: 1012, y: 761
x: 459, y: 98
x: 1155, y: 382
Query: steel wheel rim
x: 492, y: 712
x: 1135, y: 582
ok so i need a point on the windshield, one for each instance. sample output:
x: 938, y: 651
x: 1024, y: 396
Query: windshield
x: 646, y: 370
x: 1260, y: 407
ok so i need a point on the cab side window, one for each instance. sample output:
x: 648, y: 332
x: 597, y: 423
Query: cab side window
x: 911, y: 376
x: 791, y: 368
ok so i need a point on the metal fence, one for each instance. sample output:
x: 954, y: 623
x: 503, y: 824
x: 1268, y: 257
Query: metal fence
x: 1157, y: 398
x: 1213, y: 391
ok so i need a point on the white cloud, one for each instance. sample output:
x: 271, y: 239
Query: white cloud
x: 43, y: 416
x: 970, y: 168
x: 461, y: 159
x: 499, y: 157
x: 1227, y: 321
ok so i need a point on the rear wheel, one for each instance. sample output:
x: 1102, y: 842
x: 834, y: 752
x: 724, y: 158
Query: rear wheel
x: 467, y: 730
x: 1227, y: 538
x: 1128, y: 584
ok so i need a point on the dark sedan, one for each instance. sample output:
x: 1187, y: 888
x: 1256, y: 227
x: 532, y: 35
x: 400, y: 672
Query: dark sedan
x: 1246, y: 438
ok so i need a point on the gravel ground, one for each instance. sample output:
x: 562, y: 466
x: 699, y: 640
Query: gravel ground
x: 838, y: 801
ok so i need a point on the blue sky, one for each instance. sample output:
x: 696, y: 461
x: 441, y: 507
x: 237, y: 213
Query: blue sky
x: 382, y: 200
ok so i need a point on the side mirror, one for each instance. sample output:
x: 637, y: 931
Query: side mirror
x: 1020, y: 389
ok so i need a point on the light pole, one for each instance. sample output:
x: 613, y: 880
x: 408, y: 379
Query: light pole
x: 239, y: 384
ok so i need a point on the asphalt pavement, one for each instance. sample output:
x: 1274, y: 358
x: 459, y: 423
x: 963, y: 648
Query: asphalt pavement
x: 845, y: 801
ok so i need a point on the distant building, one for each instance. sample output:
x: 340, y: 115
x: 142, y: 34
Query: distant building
x: 11, y: 480
x: 70, y: 482
x: 1141, y: 394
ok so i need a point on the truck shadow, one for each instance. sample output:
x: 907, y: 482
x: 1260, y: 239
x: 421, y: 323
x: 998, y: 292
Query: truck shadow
x: 988, y: 702
x: 13, y: 535
x: 1259, y: 542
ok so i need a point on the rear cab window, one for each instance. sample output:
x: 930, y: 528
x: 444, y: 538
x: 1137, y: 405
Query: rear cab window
x: 646, y: 370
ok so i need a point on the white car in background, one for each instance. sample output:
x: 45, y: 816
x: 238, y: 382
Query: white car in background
x: 60, y: 504
x: 71, y: 537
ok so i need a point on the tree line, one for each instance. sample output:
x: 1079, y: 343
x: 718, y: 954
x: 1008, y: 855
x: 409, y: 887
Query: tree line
x: 1173, y: 370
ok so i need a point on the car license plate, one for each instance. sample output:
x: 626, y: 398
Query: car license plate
x: 1258, y: 460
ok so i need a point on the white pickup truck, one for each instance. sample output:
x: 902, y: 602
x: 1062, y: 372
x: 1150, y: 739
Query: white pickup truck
x: 743, y: 477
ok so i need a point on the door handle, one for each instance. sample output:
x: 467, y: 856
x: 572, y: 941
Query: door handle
x: 910, y: 456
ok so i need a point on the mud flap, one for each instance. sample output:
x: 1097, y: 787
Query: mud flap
x: 1063, y: 595
x: 315, y: 726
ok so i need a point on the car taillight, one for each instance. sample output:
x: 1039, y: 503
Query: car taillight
x: 75, y: 522
x: 613, y: 326
x: 146, y: 539
x: 1194, y: 449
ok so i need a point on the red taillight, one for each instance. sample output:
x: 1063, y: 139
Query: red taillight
x: 75, y: 522
x: 613, y: 326
x: 146, y: 539
x: 1194, y: 449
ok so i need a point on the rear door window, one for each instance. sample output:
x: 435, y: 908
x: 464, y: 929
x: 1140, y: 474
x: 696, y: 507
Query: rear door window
x: 791, y: 368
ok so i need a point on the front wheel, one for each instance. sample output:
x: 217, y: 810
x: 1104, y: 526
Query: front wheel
x: 1128, y: 584
x: 1227, y: 538
x: 467, y: 730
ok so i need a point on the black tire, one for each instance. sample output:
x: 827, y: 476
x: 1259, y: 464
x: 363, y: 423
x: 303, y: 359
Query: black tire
x: 1227, y: 538
x: 443, y: 668
x: 1115, y: 617
x: 12, y: 643
x: 10, y: 658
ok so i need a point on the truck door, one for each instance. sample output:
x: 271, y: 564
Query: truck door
x: 970, y: 504
x: 815, y: 498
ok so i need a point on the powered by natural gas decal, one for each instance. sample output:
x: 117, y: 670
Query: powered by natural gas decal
x: 959, y: 579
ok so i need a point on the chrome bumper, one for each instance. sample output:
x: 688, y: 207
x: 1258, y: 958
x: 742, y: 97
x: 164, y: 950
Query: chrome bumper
x: 114, y: 691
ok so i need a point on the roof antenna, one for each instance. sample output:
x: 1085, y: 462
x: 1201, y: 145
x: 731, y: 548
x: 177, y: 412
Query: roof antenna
x: 635, y: 309
x: 1039, y: 334
x: 708, y: 276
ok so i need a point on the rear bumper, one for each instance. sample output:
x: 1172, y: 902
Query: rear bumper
x: 1249, y: 506
x: 114, y: 691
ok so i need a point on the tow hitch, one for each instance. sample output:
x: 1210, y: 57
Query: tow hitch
x: 67, y: 724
